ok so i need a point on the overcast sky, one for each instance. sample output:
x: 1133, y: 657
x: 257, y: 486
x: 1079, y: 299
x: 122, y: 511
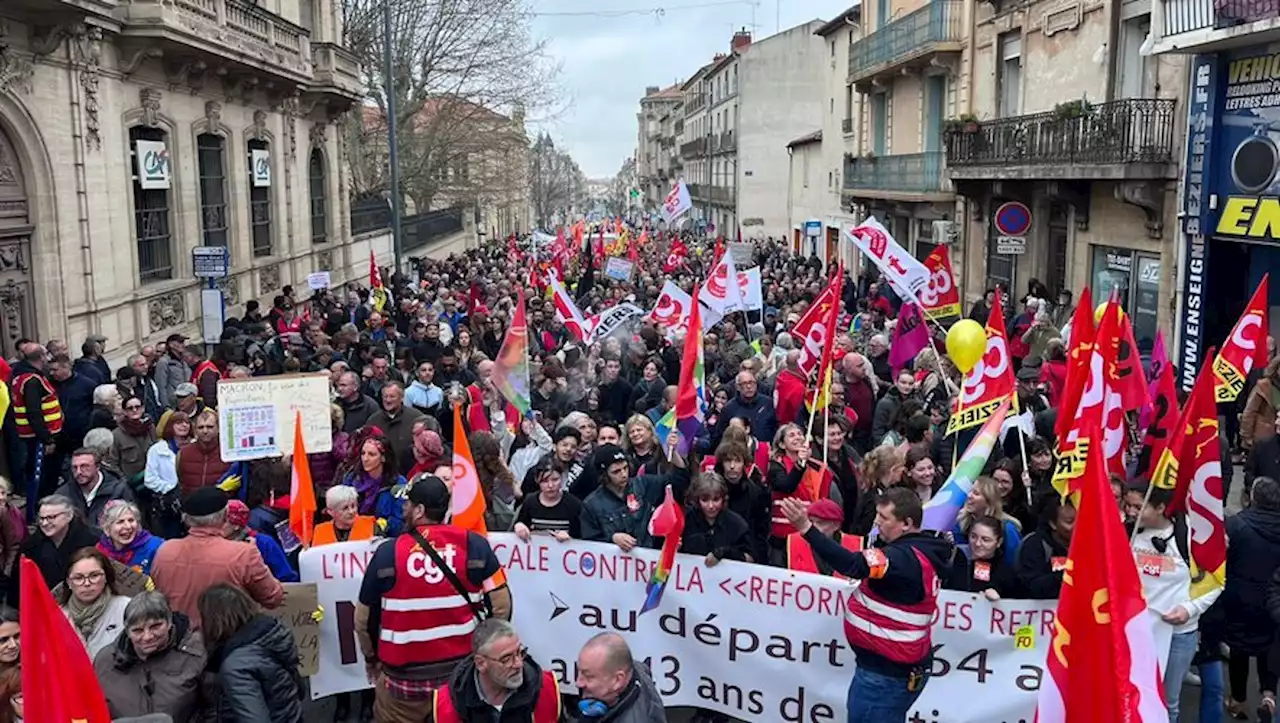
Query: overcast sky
x: 608, y: 59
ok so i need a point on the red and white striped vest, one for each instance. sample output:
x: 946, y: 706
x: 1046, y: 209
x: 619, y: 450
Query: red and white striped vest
x: 424, y: 619
x: 800, y: 553
x: 901, y: 633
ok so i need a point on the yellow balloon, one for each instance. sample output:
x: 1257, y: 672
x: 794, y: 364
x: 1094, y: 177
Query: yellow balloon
x: 1102, y: 309
x: 966, y: 343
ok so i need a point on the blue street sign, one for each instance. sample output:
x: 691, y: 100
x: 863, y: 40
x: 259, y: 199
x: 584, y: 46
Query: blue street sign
x: 210, y: 262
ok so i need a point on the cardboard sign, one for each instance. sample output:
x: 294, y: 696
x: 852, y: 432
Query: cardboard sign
x: 300, y: 602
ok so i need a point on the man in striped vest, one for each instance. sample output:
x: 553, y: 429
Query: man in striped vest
x: 37, y: 415
x: 889, y: 612
x: 422, y: 596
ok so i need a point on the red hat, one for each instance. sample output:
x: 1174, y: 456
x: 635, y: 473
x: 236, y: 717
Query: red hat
x: 826, y: 510
x: 237, y: 513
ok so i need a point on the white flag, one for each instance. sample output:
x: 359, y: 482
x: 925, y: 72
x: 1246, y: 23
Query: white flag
x: 721, y: 295
x: 567, y: 311
x: 903, y: 270
x: 677, y: 202
x: 753, y: 293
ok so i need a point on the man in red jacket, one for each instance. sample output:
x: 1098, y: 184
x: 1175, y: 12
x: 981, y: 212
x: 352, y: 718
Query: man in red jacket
x: 789, y: 389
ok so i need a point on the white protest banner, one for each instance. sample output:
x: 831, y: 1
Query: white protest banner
x: 677, y: 202
x: 338, y: 570
x: 612, y: 319
x: 753, y: 292
x: 318, y: 280
x: 618, y: 269
x: 903, y: 270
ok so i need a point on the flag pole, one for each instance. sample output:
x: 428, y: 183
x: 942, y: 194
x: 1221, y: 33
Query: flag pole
x: 826, y: 425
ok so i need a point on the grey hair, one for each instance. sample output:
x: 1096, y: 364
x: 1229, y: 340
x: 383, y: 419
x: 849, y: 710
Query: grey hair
x: 784, y: 341
x: 572, y: 419
x: 100, y: 440
x: 5, y: 484
x: 146, y: 607
x: 57, y: 501
x: 214, y: 519
x: 1265, y: 494
x: 104, y: 393
x: 708, y: 484
x: 880, y: 339
x: 133, y: 358
x: 489, y: 630
x: 338, y: 494
x: 115, y: 510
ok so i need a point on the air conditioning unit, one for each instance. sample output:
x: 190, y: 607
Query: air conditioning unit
x: 945, y: 232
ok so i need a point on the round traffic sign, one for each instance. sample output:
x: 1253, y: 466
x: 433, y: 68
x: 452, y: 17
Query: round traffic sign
x: 1013, y: 218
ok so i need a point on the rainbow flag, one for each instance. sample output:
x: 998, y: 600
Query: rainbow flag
x: 941, y: 511
x: 667, y: 522
x: 511, y: 368
x: 691, y: 395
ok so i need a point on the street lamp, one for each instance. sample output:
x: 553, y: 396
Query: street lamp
x: 393, y: 144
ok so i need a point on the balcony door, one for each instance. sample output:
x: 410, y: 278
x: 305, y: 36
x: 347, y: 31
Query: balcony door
x: 879, y: 122
x: 935, y: 103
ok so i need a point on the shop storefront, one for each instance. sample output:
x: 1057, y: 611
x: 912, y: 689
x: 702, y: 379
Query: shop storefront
x: 1230, y: 196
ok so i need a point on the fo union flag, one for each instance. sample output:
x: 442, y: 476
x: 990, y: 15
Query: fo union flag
x: 1244, y: 349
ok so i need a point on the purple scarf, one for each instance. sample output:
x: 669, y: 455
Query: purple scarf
x: 367, y: 489
x: 126, y: 554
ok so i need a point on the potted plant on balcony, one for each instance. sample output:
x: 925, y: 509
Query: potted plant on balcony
x: 869, y: 156
x: 964, y: 123
x: 1072, y: 109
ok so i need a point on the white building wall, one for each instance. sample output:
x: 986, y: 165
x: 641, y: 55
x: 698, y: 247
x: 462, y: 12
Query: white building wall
x: 780, y: 98
x: 835, y: 141
x: 806, y: 192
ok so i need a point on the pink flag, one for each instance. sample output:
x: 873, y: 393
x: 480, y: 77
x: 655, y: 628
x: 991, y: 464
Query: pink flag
x: 910, y: 335
x: 1159, y: 360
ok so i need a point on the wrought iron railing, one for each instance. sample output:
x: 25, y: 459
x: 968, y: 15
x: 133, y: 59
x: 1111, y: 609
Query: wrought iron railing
x: 908, y: 36
x: 370, y: 214
x: 725, y: 143
x: 1133, y: 130
x: 698, y: 191
x: 906, y: 173
x: 1184, y: 16
x: 423, y: 228
x: 722, y: 194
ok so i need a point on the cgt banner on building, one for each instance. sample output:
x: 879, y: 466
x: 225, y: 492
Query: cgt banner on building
x: 754, y: 642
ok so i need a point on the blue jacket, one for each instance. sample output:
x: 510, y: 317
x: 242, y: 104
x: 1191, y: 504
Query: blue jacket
x: 273, y: 555
x: 75, y: 394
x: 1012, y: 541
x: 389, y: 506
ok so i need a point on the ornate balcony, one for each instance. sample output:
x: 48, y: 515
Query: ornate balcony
x: 907, y: 177
x: 337, y: 71
x: 696, y: 148
x: 914, y: 40
x: 724, y: 143
x: 1124, y: 139
x: 220, y: 35
x: 1202, y: 26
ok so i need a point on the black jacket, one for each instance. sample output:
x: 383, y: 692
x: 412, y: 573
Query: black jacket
x: 995, y: 573
x: 749, y: 498
x: 473, y: 708
x: 606, y: 513
x: 356, y: 413
x: 1263, y: 460
x: 258, y: 674
x: 728, y: 537
x: 1253, y: 557
x: 615, y: 400
x: 53, y: 560
x: 75, y: 396
x: 903, y: 580
x: 1036, y: 562
x: 112, y: 488
x: 758, y: 409
x: 31, y: 394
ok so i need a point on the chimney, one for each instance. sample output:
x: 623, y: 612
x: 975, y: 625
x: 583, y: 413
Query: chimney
x: 741, y: 40
x: 651, y: 90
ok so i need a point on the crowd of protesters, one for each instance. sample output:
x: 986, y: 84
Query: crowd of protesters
x: 140, y: 526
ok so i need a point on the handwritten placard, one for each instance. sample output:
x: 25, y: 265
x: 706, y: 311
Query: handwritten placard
x: 298, y: 612
x: 288, y: 394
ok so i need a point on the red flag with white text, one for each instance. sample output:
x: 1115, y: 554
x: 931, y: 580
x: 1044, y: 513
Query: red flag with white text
x: 990, y: 381
x: 811, y: 331
x: 1245, y: 349
x: 941, y: 297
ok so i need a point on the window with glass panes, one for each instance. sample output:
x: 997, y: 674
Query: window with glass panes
x: 151, y: 215
x: 259, y: 205
x: 210, y: 158
x: 319, y: 198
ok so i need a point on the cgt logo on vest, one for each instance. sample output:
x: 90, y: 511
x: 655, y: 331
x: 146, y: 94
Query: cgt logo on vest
x: 421, y: 566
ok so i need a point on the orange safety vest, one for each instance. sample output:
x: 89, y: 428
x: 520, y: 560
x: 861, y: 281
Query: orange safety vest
x: 361, y: 529
x: 814, y: 485
x: 546, y: 709
x: 800, y: 553
x: 50, y: 409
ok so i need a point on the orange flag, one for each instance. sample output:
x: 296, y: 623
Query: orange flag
x: 58, y: 682
x: 1245, y: 349
x: 1102, y: 665
x: 467, y: 499
x: 302, y: 493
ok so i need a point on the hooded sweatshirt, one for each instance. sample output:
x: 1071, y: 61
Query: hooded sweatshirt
x: 1166, y: 578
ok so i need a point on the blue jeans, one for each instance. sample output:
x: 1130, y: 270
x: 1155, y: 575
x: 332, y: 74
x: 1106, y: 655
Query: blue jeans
x: 1212, y: 690
x: 1181, y: 652
x: 877, y: 698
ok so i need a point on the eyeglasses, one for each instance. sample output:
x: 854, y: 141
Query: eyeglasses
x: 509, y: 658
x: 92, y: 578
x: 53, y: 517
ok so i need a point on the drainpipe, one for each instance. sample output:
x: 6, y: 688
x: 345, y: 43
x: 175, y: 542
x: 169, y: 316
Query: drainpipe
x: 84, y: 60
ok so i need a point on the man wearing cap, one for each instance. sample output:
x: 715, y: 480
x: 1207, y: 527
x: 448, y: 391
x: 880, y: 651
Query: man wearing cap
x: 91, y: 364
x: 183, y: 569
x: 618, y: 511
x: 827, y: 517
x: 186, y: 398
x: 172, y: 368
x: 422, y: 596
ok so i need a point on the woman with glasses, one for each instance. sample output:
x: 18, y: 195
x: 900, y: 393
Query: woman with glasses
x: 255, y: 658
x: 130, y: 441
x: 90, y: 600
x: 157, y: 666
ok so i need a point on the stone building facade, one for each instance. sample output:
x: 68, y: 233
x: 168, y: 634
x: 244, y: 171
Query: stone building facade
x: 132, y: 131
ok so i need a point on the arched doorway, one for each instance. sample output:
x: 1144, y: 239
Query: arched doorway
x: 17, y: 224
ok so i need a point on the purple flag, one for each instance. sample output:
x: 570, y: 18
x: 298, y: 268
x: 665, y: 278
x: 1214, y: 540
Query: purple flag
x: 1159, y: 359
x: 910, y: 335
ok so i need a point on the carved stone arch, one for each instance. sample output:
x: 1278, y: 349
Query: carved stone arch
x: 318, y: 153
x: 26, y: 152
x: 211, y: 122
x: 277, y: 206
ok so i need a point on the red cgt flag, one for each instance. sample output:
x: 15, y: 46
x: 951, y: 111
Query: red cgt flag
x: 990, y: 381
x: 1078, y: 360
x: 1245, y: 349
x: 675, y: 257
x: 1164, y: 419
x: 1102, y: 665
x: 58, y: 682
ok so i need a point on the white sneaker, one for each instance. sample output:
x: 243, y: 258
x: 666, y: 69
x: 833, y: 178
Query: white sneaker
x: 1191, y: 679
